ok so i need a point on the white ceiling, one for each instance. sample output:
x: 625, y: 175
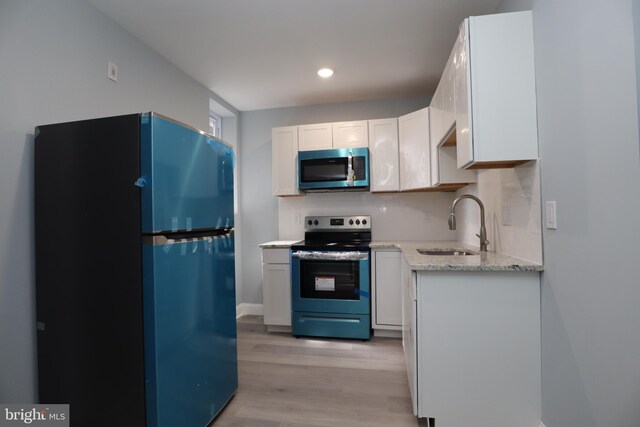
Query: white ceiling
x: 260, y: 54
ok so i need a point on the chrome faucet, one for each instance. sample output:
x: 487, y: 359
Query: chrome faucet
x: 483, y: 231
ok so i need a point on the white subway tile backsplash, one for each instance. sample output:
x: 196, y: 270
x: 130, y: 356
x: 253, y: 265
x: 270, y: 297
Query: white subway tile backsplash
x: 512, y: 208
x: 528, y: 169
x: 513, y: 214
x: 398, y: 216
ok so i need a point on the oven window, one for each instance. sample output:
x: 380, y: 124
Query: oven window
x: 318, y: 170
x: 330, y: 279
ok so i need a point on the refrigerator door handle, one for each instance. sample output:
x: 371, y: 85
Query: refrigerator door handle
x: 162, y: 240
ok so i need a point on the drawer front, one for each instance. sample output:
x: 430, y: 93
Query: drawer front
x: 275, y: 256
x: 353, y: 326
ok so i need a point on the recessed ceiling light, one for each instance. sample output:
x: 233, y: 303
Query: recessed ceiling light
x: 325, y: 72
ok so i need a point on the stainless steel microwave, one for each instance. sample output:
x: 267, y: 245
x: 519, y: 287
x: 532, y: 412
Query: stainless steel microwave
x: 340, y: 169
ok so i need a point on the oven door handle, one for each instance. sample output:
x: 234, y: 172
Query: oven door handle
x: 332, y: 256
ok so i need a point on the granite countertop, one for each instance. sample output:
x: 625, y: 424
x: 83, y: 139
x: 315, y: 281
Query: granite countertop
x: 488, y: 261
x: 278, y: 244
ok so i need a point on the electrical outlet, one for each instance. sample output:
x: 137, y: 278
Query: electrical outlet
x: 112, y: 71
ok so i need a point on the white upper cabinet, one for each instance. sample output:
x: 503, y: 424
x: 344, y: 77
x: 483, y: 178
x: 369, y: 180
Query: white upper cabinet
x: 436, y: 115
x: 350, y: 134
x: 448, y: 98
x: 444, y: 170
x: 462, y: 99
x: 284, y: 164
x: 383, y: 155
x: 495, y: 100
x: 415, y: 165
x: 323, y: 136
x: 442, y: 106
x: 315, y: 137
x: 436, y: 130
x: 445, y: 174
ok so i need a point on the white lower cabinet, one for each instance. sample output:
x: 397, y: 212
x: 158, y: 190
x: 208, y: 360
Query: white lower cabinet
x: 472, y: 347
x: 386, y: 285
x: 409, y: 325
x: 276, y: 287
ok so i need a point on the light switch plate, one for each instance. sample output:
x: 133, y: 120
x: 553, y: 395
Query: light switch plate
x: 551, y: 220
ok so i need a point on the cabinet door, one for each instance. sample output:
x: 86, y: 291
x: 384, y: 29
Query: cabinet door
x: 383, y: 155
x: 315, y: 137
x: 436, y: 114
x: 388, y: 289
x: 284, y: 164
x: 478, y: 338
x: 276, y: 290
x: 464, y: 145
x: 503, y: 98
x: 436, y: 133
x: 415, y: 166
x: 448, y: 96
x: 409, y: 324
x: 350, y: 134
x: 495, y: 97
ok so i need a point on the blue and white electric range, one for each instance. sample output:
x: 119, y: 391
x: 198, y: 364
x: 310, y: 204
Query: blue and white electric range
x: 330, y: 278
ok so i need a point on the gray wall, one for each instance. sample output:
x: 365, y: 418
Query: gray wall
x: 514, y: 6
x: 588, y: 133
x: 54, y: 64
x: 259, y: 214
x: 636, y: 32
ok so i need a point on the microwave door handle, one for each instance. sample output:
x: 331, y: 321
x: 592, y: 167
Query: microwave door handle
x: 350, y: 171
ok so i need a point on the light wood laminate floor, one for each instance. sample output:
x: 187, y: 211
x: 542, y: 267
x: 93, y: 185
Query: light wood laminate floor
x: 289, y: 382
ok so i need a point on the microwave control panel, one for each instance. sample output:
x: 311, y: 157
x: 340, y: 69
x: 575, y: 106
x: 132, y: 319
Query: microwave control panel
x: 359, y: 167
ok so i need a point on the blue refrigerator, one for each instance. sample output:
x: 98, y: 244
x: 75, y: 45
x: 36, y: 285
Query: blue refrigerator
x: 135, y: 283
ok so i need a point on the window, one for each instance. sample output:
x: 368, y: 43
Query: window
x: 215, y: 124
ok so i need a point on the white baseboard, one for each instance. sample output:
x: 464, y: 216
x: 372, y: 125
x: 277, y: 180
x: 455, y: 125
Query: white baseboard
x: 246, y: 309
x: 387, y: 333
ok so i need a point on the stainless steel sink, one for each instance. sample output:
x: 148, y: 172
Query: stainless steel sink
x: 446, y: 252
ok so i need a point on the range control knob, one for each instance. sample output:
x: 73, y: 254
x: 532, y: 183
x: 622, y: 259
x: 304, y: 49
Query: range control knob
x: 309, y: 222
x: 357, y: 222
x: 315, y: 222
x: 350, y: 222
x: 364, y: 222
